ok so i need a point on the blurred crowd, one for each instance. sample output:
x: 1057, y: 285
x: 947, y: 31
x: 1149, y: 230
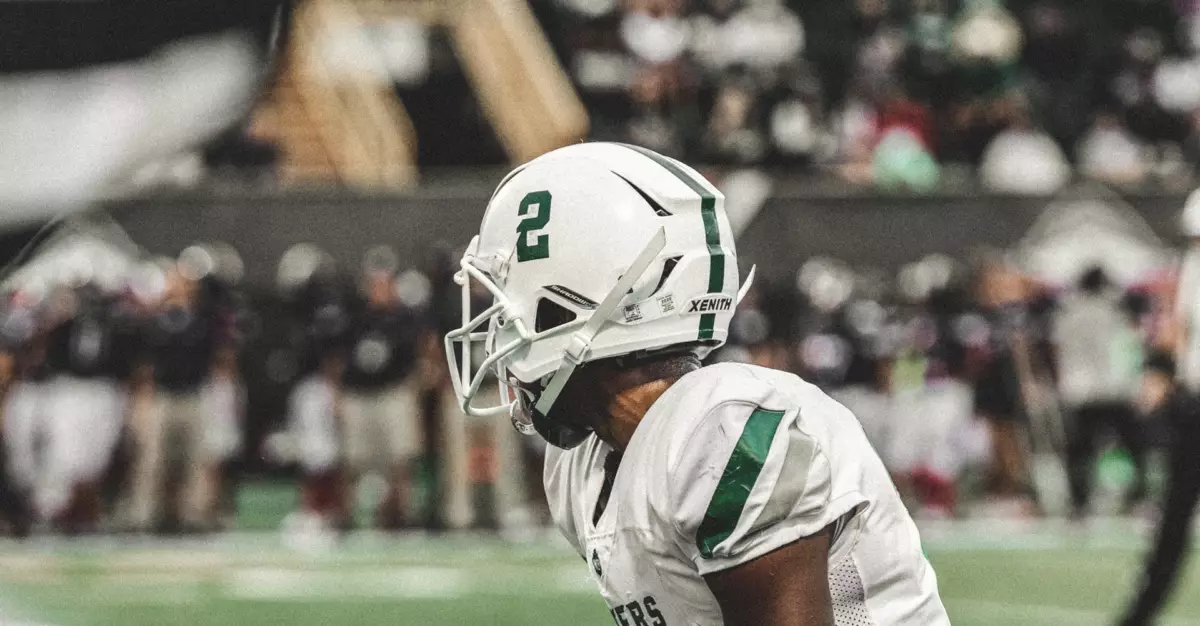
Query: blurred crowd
x: 1029, y: 93
x: 132, y: 404
x: 128, y: 398
x: 980, y: 385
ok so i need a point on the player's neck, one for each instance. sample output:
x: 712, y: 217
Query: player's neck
x: 629, y: 407
x: 631, y: 392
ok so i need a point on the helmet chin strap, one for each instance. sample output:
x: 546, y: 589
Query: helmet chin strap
x: 581, y: 340
x: 745, y: 288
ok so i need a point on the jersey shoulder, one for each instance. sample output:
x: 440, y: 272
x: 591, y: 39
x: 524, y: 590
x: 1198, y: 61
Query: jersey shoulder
x: 706, y: 400
x: 745, y: 464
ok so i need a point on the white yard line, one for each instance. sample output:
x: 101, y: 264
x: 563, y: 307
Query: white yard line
x: 390, y: 583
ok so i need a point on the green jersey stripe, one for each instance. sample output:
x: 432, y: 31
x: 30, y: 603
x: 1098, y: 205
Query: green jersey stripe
x: 737, y: 480
x: 712, y: 231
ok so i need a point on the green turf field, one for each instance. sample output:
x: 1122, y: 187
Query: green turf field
x: 1045, y: 575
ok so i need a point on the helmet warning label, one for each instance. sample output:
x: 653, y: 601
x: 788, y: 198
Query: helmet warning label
x: 709, y: 303
x: 648, y: 311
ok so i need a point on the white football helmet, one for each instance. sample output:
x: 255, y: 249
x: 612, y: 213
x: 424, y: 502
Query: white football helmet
x: 592, y: 251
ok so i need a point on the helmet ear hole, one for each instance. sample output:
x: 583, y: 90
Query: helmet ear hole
x: 551, y: 314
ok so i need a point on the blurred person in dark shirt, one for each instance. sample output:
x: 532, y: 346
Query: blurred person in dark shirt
x: 380, y: 406
x: 319, y: 305
x: 764, y: 327
x: 665, y: 116
x: 183, y: 337
x: 1173, y: 539
x: 223, y: 396
x: 1000, y: 297
x: 1059, y: 65
x: 734, y: 132
x: 90, y: 347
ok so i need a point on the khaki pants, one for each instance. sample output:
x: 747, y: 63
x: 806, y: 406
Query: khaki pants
x: 457, y: 428
x: 382, y: 429
x: 170, y: 427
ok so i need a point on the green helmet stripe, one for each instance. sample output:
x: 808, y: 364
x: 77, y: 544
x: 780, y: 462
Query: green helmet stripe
x: 712, y: 231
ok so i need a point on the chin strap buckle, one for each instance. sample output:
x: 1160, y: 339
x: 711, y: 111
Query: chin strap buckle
x: 577, y: 351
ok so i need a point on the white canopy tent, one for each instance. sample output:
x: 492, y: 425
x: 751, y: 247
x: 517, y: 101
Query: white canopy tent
x: 81, y: 250
x: 1085, y: 229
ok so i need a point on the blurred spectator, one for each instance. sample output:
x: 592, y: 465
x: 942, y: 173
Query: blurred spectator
x: 709, y: 82
x: 91, y: 347
x: 380, y: 408
x: 313, y: 423
x: 654, y: 30
x: 663, y: 117
x: 903, y: 155
x: 183, y: 340
x: 1023, y: 159
x: 1099, y: 368
x: 986, y: 33
x: 734, y: 134
x: 1109, y: 153
x: 999, y: 397
x: 796, y: 123
x: 762, y: 36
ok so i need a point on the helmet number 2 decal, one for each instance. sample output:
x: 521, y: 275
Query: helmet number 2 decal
x: 532, y: 243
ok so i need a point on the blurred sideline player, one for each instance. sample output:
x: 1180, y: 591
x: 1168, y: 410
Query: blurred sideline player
x: 89, y: 351
x: 1173, y: 538
x: 313, y: 422
x: 1000, y: 383
x: 222, y: 396
x: 182, y: 341
x: 727, y: 494
x: 380, y: 407
x: 322, y: 319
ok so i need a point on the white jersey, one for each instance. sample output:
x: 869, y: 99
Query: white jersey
x: 732, y: 462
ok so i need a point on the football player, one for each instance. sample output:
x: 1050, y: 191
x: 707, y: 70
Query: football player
x: 727, y: 494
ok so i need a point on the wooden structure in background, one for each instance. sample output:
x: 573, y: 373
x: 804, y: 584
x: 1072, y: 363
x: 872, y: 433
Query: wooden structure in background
x: 352, y: 129
x: 335, y: 126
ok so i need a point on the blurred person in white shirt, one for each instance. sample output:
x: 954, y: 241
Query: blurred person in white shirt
x: 1024, y: 160
x: 1099, y: 369
x: 314, y: 425
x: 1109, y: 153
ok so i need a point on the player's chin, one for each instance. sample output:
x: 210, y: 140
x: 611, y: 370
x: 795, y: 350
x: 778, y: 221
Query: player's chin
x: 577, y: 414
x: 560, y: 433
